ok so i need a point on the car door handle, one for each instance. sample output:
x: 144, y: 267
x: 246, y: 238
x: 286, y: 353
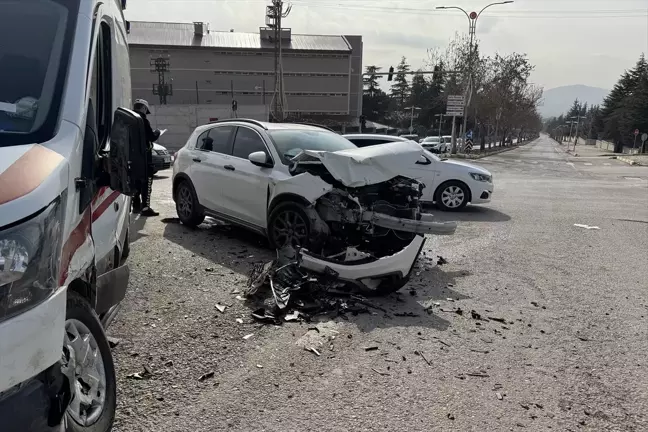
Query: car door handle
x: 197, y: 160
x: 230, y: 168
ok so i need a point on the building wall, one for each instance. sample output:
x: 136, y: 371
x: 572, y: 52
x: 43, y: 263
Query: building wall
x: 356, y: 83
x: 180, y: 120
x: 314, y: 82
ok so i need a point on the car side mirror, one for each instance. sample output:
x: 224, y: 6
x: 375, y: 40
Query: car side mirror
x: 127, y: 164
x: 260, y: 159
x: 423, y: 161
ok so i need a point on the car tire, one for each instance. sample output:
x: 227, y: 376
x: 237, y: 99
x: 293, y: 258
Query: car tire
x: 292, y: 217
x: 187, y: 207
x: 448, y: 194
x: 80, y: 318
x: 126, y: 249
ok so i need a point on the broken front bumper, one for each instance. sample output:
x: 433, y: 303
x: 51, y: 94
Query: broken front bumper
x: 393, y: 268
x: 425, y: 225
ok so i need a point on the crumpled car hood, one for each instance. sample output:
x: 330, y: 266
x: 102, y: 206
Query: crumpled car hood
x: 368, y: 165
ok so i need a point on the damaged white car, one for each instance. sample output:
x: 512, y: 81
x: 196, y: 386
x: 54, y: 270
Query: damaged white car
x: 346, y: 210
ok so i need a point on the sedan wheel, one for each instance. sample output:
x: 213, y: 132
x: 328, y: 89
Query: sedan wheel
x: 189, y: 211
x: 452, y: 196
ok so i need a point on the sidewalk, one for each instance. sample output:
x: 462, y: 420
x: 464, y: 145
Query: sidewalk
x: 634, y: 159
x: 583, y: 150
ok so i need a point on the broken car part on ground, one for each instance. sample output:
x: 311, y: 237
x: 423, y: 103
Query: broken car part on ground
x: 366, y: 229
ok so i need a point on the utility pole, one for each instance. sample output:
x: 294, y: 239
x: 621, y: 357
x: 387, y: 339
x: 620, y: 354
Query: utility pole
x: 440, y: 123
x: 412, y: 108
x: 274, y: 14
x: 161, y: 65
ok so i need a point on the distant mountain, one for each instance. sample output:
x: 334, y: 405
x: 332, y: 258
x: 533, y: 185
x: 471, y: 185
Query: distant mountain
x: 558, y: 100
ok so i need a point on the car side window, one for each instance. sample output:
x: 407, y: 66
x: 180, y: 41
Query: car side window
x: 247, y: 141
x: 216, y: 139
x: 201, y: 141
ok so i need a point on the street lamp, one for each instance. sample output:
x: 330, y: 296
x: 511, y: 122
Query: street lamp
x: 472, y: 28
x: 412, y: 108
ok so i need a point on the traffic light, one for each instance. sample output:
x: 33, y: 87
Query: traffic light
x: 234, y: 105
x: 391, y: 73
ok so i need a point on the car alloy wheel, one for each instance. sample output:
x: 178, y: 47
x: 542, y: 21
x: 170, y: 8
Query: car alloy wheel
x: 185, y: 202
x: 290, y: 229
x: 82, y: 357
x: 453, y: 197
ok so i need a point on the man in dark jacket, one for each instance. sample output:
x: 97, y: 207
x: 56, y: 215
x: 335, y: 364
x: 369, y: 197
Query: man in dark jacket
x: 143, y: 204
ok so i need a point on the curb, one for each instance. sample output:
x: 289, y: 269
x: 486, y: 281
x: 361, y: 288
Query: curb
x: 629, y: 161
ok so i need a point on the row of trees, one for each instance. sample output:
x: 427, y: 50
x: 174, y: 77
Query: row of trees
x: 580, y: 121
x: 624, y: 110
x: 503, y: 104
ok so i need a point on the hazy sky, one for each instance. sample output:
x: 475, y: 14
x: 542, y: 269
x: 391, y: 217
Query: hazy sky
x: 586, y: 42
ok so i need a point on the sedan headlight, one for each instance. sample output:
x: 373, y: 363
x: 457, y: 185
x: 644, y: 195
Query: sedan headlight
x: 481, y: 177
x: 29, y: 260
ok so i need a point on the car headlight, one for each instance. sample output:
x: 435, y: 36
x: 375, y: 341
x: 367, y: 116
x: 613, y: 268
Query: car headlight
x: 481, y: 177
x: 29, y: 260
x: 159, y: 152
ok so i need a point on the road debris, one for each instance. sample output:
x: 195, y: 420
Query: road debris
x: 478, y: 374
x: 587, y: 227
x: 314, y: 351
x: 206, y: 376
x: 501, y: 320
x: 239, y: 320
x: 371, y: 348
x: 418, y: 353
x: 441, y: 261
x: 221, y: 308
x: 380, y: 373
x: 499, y: 396
x: 407, y: 314
x: 113, y: 342
x: 246, y: 337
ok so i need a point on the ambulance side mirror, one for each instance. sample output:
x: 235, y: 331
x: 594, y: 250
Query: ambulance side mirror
x: 127, y: 154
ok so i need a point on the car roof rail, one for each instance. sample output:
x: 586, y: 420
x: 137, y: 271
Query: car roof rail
x: 242, y: 120
x: 316, y: 125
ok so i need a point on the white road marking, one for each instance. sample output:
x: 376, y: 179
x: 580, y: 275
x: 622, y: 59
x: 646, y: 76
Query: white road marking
x: 588, y: 164
x: 571, y: 164
x: 607, y: 164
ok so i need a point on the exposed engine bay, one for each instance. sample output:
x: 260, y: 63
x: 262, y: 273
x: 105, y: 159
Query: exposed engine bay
x: 366, y: 226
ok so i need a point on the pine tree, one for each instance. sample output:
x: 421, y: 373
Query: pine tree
x: 370, y: 81
x: 400, y: 90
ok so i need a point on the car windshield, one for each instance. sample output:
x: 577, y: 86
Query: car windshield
x: 291, y: 142
x: 431, y: 140
x: 32, y: 66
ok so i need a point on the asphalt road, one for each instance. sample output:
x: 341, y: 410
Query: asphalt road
x: 561, y: 343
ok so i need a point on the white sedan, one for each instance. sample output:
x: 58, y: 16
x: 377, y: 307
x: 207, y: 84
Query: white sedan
x: 451, y: 184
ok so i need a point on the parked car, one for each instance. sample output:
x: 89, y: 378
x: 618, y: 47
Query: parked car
x: 414, y: 138
x: 435, y: 144
x: 161, y: 158
x: 303, y: 185
x: 449, y: 183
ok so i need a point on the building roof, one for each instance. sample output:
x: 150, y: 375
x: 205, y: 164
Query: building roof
x: 182, y: 34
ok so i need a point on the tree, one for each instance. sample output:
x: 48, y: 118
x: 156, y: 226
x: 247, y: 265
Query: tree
x: 370, y: 81
x: 625, y: 106
x: 400, y: 90
x: 375, y: 101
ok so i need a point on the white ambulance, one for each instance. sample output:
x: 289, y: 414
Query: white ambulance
x: 70, y: 154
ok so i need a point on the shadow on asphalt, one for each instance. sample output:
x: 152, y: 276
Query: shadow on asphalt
x: 471, y: 214
x: 239, y: 250
x: 136, y: 226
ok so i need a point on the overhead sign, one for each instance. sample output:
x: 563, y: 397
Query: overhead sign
x: 455, y: 105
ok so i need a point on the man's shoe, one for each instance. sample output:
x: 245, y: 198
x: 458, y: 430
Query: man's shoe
x: 148, y: 211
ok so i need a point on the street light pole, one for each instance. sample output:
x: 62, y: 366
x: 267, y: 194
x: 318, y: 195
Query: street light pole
x: 472, y: 30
